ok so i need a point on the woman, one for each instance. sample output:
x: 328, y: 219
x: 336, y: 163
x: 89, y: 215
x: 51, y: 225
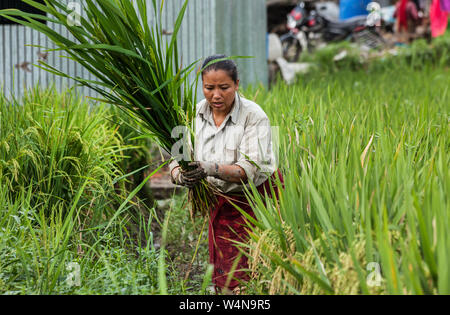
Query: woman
x: 407, y: 16
x: 232, y: 135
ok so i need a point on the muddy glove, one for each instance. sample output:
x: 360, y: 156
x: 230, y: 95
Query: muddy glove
x: 188, y: 178
x: 210, y: 168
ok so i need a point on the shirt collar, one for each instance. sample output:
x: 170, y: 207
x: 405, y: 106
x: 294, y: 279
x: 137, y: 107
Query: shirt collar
x: 236, y: 108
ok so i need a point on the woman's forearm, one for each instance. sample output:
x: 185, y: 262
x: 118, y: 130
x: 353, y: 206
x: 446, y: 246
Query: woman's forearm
x: 228, y: 173
x: 232, y: 173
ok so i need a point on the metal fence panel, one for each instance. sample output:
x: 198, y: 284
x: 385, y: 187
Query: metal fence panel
x: 234, y: 27
x: 241, y: 31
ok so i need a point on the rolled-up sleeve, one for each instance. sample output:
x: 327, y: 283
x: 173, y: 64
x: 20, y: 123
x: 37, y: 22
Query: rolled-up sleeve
x: 172, y: 166
x: 255, y: 152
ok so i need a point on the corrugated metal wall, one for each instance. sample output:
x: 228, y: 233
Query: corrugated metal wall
x: 234, y: 27
x: 241, y: 31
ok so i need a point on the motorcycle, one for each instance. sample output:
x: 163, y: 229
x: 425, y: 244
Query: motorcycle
x: 309, y: 30
x: 295, y: 41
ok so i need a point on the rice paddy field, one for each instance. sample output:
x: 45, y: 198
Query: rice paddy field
x: 365, y: 209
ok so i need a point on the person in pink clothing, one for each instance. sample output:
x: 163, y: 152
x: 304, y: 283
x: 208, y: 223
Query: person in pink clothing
x: 407, y: 16
x: 439, y: 17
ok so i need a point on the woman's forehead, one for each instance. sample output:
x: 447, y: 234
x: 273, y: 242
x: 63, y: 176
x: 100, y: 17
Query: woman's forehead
x: 217, y: 77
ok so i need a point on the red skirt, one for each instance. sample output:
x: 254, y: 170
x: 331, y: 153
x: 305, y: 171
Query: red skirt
x: 226, y: 226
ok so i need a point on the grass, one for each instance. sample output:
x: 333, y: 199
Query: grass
x: 187, y: 245
x: 39, y: 255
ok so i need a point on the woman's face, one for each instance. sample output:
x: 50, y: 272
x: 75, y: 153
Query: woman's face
x: 220, y: 90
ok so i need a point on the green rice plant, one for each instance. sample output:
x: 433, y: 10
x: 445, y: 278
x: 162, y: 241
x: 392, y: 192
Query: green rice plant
x: 365, y: 207
x: 35, y: 241
x: 48, y: 225
x: 138, y: 159
x: 419, y: 54
x: 52, y: 143
x: 41, y: 252
x: 324, y: 57
x: 422, y: 52
x: 135, y: 69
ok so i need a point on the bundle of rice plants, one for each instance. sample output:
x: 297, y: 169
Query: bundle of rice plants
x: 135, y: 69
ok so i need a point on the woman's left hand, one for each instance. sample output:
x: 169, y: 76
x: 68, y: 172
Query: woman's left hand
x: 210, y: 168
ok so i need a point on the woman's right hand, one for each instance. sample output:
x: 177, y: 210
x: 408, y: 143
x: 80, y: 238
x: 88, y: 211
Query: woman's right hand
x: 188, y: 178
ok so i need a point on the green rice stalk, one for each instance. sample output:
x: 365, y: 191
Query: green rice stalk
x: 135, y: 69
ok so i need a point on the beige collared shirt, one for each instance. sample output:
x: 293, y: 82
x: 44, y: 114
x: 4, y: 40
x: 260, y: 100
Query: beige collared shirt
x: 245, y: 138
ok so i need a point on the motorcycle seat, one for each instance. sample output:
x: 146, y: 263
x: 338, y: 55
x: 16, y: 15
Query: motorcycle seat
x: 348, y: 23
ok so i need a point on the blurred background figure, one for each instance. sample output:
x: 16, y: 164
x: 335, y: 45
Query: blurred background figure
x: 445, y: 5
x: 439, y: 17
x: 408, y: 18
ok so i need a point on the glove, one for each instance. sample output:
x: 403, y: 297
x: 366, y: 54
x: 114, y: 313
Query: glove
x: 188, y: 178
x: 210, y: 168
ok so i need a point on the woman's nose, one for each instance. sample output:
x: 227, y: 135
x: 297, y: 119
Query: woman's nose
x: 217, y: 94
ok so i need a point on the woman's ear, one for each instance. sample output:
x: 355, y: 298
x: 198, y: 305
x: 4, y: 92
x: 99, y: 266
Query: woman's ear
x: 237, y: 84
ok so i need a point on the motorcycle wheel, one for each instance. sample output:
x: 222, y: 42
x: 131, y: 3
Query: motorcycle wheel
x: 291, y: 49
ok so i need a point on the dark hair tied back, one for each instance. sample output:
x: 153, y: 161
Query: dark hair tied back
x: 228, y: 66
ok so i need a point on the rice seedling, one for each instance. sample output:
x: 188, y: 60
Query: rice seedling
x: 136, y: 70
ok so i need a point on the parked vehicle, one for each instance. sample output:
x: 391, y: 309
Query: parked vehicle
x: 295, y: 41
x: 308, y: 29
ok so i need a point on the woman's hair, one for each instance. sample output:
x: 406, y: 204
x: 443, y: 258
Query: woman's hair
x: 228, y: 66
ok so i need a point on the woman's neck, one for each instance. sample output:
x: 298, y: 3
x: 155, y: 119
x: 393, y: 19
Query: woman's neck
x: 217, y: 113
x: 219, y: 116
